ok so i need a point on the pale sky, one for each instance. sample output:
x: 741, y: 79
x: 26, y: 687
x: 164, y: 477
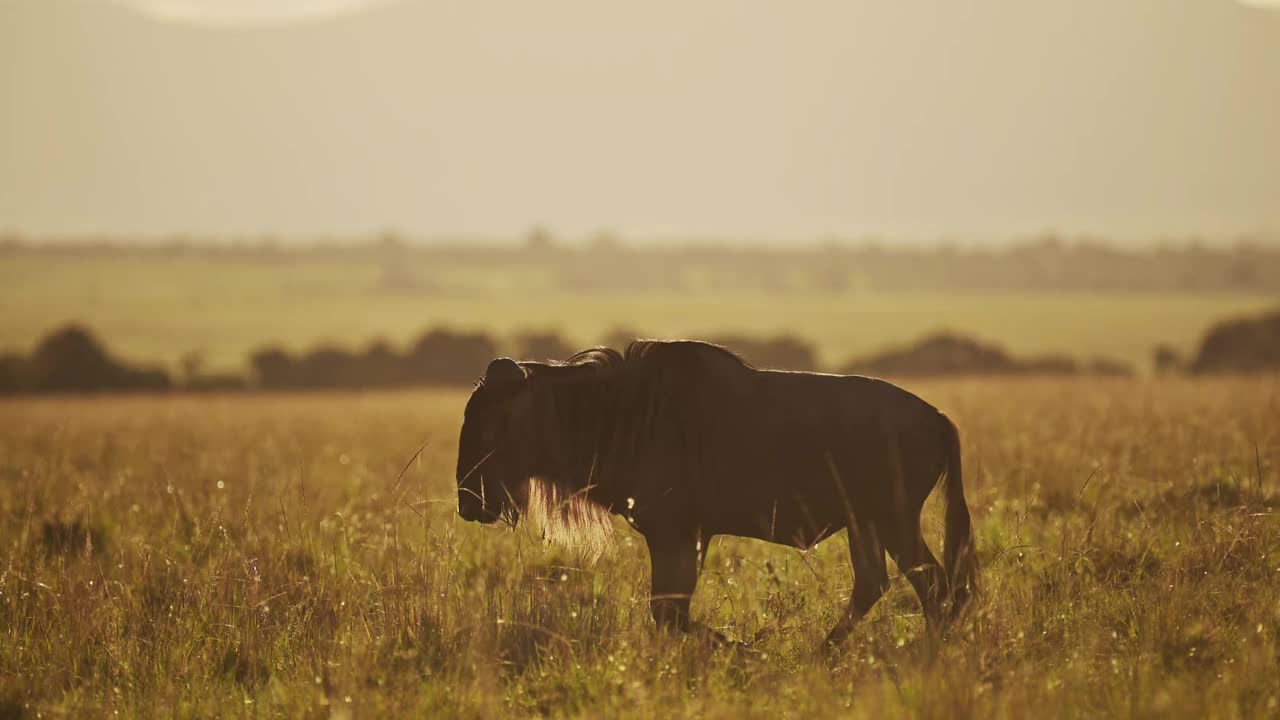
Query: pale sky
x: 717, y: 119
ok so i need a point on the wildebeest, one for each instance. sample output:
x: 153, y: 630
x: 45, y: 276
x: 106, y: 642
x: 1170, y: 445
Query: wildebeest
x: 687, y: 441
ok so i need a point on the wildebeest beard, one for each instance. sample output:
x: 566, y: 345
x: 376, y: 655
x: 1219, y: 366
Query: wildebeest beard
x: 531, y: 447
x: 604, y: 421
x: 596, y: 427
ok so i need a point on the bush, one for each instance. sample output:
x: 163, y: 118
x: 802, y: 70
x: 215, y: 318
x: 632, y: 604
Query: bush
x: 380, y: 365
x: 953, y: 354
x: 542, y: 346
x: 1241, y: 345
x: 327, y: 367
x: 439, y: 357
x: 73, y: 360
x: 447, y: 357
x: 273, y: 368
x: 13, y: 369
x: 940, y: 354
x: 783, y: 353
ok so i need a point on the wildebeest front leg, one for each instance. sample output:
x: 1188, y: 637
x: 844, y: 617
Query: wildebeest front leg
x: 675, y: 574
x: 870, y: 580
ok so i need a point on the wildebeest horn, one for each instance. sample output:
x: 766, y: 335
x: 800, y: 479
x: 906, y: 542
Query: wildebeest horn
x: 503, y: 370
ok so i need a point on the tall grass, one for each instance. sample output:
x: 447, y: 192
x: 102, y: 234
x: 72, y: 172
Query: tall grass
x: 274, y: 557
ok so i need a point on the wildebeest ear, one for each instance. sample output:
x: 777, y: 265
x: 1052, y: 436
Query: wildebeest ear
x: 503, y: 371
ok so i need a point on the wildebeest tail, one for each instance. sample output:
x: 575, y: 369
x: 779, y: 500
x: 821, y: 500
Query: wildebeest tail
x: 959, y: 557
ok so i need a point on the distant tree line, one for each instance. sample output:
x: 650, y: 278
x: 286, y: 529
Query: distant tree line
x: 606, y: 264
x: 73, y: 359
x: 446, y: 357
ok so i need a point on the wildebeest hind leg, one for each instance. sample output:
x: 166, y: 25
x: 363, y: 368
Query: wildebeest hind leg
x: 914, y: 559
x: 870, y: 580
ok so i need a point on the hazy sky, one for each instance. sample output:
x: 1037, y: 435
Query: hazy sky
x: 719, y: 118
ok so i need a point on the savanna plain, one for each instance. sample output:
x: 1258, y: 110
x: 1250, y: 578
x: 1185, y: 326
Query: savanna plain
x: 151, y: 308
x: 299, y: 556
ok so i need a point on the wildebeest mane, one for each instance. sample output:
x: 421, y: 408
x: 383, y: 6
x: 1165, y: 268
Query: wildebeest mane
x: 611, y: 409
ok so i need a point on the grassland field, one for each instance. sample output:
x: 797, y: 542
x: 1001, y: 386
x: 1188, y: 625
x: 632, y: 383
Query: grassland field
x: 273, y: 556
x: 156, y: 309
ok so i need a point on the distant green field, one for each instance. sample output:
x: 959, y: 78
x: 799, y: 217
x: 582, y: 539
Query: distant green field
x: 158, y: 308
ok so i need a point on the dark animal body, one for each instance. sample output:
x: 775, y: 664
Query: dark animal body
x: 687, y: 442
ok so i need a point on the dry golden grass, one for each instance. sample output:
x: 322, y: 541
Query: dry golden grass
x: 264, y: 556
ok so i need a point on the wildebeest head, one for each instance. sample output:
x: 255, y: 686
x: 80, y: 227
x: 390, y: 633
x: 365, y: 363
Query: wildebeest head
x: 499, y: 448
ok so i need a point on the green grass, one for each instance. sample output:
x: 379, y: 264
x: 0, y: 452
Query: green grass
x: 259, y: 556
x: 156, y: 309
